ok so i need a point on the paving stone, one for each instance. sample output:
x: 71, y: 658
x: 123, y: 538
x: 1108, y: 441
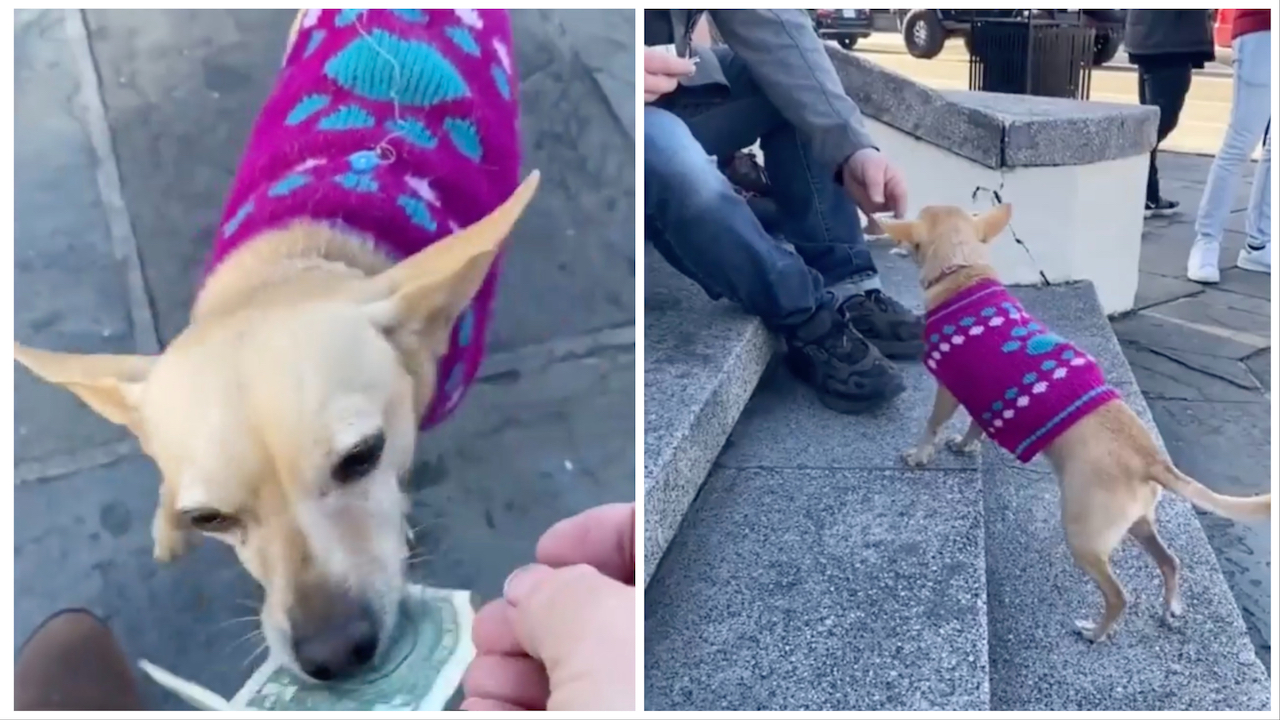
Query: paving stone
x: 1260, y: 365
x: 1173, y: 375
x: 1155, y: 289
x: 1223, y: 311
x: 70, y: 290
x: 1149, y: 330
x: 821, y: 590
x: 1245, y: 282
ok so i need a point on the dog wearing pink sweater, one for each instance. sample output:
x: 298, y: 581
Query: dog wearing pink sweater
x: 1034, y: 392
x: 344, y: 306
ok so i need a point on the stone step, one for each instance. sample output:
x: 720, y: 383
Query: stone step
x: 815, y: 572
x: 1038, y: 662
x: 702, y: 359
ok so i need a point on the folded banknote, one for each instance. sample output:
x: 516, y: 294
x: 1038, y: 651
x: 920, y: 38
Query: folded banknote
x: 420, y: 671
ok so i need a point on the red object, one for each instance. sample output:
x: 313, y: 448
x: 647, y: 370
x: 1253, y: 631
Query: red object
x: 1244, y: 22
x: 1222, y: 27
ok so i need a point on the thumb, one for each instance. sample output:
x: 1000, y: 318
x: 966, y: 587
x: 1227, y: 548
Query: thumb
x: 575, y: 621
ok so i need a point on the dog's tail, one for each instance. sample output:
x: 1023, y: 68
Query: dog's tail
x: 1236, y: 508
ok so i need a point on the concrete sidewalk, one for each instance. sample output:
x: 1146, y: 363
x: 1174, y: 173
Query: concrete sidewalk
x: 129, y: 125
x: 1202, y: 357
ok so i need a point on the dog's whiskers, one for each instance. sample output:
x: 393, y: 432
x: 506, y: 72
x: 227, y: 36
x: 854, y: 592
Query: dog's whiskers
x: 235, y: 620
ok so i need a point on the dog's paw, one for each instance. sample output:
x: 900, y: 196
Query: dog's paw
x: 957, y: 445
x: 1174, y: 610
x: 1089, y: 631
x: 917, y: 456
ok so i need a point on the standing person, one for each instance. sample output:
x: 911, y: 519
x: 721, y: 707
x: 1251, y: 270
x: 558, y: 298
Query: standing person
x: 1166, y: 45
x: 773, y: 82
x: 1250, y: 121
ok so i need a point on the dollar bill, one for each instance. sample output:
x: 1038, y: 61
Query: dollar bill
x: 420, y: 671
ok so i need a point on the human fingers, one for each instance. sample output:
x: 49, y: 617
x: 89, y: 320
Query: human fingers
x: 492, y: 631
x: 483, y: 705
x: 664, y: 63
x: 659, y: 85
x: 895, y: 192
x: 581, y: 625
x: 602, y: 537
x: 517, y: 681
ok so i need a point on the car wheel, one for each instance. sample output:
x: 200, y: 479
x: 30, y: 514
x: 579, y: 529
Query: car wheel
x: 847, y: 42
x: 923, y: 34
x: 1105, y: 47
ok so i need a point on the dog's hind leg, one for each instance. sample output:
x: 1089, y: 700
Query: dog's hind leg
x: 1095, y: 523
x: 1097, y: 563
x: 1144, y: 531
x: 944, y: 406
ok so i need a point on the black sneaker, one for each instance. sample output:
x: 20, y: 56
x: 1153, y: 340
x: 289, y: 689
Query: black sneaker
x: 848, y: 373
x: 746, y: 173
x: 1164, y: 207
x: 886, y: 323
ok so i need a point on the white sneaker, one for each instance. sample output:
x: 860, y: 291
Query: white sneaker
x: 1255, y: 260
x: 1202, y: 263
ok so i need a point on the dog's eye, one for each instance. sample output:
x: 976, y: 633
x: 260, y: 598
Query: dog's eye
x: 210, y: 521
x: 361, y: 459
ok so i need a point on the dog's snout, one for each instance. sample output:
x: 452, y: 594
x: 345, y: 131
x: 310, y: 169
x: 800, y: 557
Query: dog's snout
x: 337, y: 642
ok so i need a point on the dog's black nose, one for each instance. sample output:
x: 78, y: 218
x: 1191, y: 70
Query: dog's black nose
x: 338, y: 643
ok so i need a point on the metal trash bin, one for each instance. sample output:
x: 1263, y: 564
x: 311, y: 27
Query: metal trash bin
x: 1031, y: 56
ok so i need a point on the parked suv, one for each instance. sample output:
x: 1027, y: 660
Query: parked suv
x: 846, y: 27
x: 926, y: 31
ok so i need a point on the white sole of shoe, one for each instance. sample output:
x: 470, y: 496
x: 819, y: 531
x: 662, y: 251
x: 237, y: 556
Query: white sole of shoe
x: 1244, y: 263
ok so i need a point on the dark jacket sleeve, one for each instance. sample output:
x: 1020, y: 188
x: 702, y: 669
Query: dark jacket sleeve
x: 791, y: 66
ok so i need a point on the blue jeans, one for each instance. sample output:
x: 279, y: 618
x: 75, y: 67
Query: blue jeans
x: 706, y: 230
x: 1250, y: 122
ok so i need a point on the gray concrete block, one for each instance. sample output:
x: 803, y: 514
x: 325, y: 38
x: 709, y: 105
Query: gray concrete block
x: 702, y: 362
x: 1038, y: 661
x: 842, y: 589
x: 69, y: 287
x: 996, y: 129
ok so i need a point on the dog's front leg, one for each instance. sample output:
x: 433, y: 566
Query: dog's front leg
x: 944, y: 406
x: 968, y: 443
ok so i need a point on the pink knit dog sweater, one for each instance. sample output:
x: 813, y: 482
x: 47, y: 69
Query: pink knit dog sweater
x: 401, y: 125
x: 1023, y: 384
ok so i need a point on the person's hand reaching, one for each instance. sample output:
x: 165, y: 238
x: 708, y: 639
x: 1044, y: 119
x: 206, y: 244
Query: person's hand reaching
x: 662, y: 73
x: 875, y: 185
x: 562, y: 637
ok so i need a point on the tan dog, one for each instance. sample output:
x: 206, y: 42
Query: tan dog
x: 284, y: 416
x: 1109, y: 469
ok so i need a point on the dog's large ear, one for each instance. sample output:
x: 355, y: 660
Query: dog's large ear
x: 425, y: 293
x: 109, y: 384
x: 993, y: 222
x: 902, y: 232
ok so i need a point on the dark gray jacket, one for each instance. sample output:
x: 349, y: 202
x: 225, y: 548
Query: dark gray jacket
x: 791, y: 66
x: 1166, y: 32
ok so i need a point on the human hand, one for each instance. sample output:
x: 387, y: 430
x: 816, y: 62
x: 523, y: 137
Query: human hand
x: 662, y: 72
x: 874, y: 184
x: 562, y: 637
